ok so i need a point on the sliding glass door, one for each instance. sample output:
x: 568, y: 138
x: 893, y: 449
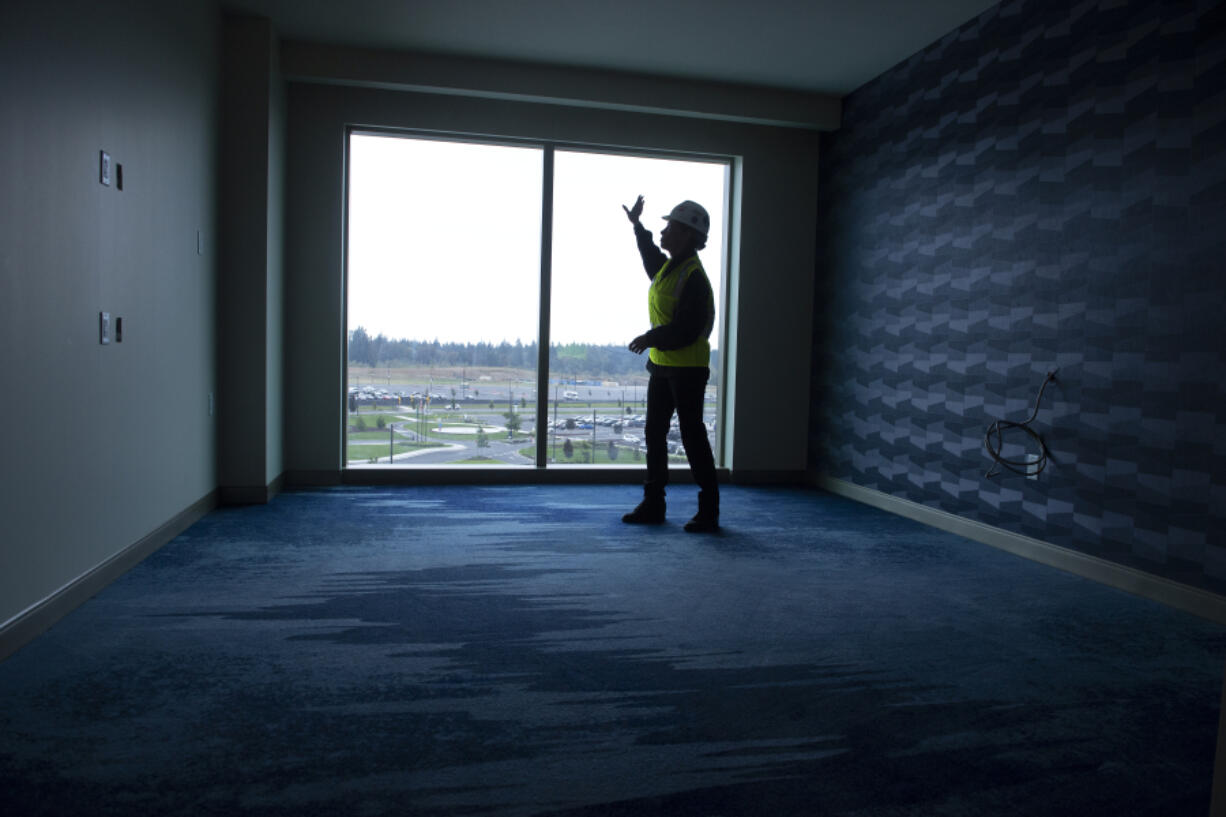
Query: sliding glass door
x: 443, y: 271
x: 445, y: 288
x: 599, y: 298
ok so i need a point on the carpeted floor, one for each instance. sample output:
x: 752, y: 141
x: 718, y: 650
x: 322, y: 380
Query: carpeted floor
x: 520, y: 651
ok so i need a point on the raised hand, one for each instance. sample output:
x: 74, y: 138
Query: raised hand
x: 634, y: 212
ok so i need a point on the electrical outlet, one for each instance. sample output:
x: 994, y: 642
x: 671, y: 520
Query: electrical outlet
x: 1032, y: 466
x: 104, y: 328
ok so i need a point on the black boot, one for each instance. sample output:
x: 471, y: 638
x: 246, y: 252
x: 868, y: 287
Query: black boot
x: 707, y: 518
x: 649, y: 512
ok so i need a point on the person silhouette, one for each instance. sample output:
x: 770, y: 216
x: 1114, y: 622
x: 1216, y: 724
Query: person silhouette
x: 681, y: 307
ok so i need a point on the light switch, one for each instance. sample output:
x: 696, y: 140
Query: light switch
x: 104, y: 328
x: 104, y: 168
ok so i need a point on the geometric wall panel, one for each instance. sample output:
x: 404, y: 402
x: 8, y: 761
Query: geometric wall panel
x: 1042, y: 189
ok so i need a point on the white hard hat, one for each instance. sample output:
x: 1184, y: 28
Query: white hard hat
x: 692, y: 215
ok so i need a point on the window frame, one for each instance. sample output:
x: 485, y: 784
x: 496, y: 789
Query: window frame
x: 549, y: 148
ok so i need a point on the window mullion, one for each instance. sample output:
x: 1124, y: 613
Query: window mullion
x: 542, y: 364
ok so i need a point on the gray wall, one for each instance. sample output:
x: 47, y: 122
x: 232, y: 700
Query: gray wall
x: 772, y: 282
x: 252, y: 202
x: 103, y: 444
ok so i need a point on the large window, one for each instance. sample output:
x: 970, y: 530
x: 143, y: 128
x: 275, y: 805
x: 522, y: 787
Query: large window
x: 443, y: 298
x: 446, y: 286
x: 599, y: 297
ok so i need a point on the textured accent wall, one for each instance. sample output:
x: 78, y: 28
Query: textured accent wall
x: 1044, y: 188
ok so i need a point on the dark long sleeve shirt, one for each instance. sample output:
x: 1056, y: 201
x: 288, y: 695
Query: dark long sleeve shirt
x: 692, y: 315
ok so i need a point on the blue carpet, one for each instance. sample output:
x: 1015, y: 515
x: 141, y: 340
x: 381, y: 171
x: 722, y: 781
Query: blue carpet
x: 519, y: 651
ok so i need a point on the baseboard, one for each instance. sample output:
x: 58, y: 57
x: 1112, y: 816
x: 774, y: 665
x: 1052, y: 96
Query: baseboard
x: 311, y: 479
x: 1173, y: 594
x: 251, y: 494
x: 1217, y: 799
x: 757, y: 476
x: 27, y: 625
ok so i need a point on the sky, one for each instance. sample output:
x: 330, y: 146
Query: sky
x: 444, y: 239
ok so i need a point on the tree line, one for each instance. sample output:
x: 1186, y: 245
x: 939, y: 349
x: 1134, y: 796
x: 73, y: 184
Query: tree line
x: 576, y: 359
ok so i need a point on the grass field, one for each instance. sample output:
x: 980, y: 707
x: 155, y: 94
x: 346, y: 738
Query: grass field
x: 583, y: 455
x: 363, y: 453
x: 371, y: 420
x: 362, y: 437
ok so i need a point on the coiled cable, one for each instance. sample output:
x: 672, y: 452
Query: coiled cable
x: 1027, y: 467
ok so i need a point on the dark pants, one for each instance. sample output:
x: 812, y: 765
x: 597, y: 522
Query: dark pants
x: 683, y: 393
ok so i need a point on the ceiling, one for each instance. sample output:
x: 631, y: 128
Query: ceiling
x: 825, y: 46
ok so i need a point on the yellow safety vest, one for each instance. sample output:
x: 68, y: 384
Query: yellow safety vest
x: 662, y: 301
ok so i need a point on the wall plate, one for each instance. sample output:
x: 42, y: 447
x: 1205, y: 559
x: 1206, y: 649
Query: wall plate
x: 104, y: 168
x: 104, y: 328
x: 1032, y: 466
